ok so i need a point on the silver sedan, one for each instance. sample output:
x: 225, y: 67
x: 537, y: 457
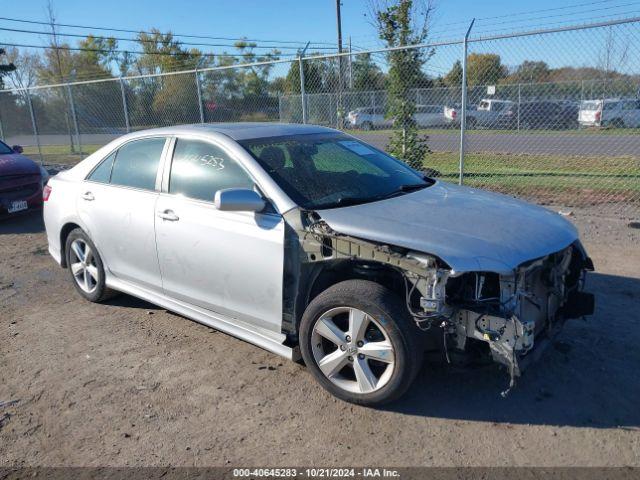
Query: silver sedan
x: 306, y: 241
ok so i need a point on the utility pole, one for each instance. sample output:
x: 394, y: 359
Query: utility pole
x: 339, y: 107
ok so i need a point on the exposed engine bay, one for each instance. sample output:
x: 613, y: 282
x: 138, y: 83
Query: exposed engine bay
x: 515, y: 315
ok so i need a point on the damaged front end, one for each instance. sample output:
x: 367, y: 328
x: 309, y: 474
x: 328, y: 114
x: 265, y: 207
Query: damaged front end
x: 515, y: 315
x: 518, y: 314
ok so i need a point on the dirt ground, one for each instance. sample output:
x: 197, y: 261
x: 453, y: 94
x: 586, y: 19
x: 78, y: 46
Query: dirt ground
x: 127, y: 383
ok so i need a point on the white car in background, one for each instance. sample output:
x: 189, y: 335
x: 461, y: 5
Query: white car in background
x: 610, y: 112
x: 368, y: 118
x: 486, y: 114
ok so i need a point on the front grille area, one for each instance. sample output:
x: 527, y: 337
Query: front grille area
x: 21, y: 192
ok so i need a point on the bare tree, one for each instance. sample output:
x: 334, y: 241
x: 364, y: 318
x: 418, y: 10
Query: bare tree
x: 613, y: 58
x: 27, y: 64
x: 58, y: 67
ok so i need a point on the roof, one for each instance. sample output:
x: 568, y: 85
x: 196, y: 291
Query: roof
x: 243, y: 130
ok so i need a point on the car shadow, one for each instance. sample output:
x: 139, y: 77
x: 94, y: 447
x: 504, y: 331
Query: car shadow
x: 588, y: 378
x: 31, y: 222
x: 128, y: 301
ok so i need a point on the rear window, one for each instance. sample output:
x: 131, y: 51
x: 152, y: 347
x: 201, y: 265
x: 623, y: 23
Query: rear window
x: 590, y: 106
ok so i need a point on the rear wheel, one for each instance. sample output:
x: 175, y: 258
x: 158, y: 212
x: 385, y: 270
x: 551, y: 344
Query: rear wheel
x: 85, y: 267
x: 471, y: 123
x: 367, y: 126
x: 617, y: 123
x: 357, y: 340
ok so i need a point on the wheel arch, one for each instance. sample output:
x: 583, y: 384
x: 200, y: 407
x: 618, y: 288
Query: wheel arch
x: 66, y: 229
x: 326, y: 274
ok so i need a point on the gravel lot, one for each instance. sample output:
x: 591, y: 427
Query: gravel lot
x: 126, y: 383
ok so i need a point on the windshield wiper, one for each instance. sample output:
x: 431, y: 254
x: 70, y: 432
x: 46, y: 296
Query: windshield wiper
x: 410, y: 187
x: 347, y: 201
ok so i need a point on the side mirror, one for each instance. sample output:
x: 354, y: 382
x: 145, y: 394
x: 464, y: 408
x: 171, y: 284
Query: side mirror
x: 17, y: 149
x: 239, y: 200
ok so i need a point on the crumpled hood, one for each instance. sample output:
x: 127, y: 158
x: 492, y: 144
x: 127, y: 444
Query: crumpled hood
x: 470, y: 229
x: 16, y: 164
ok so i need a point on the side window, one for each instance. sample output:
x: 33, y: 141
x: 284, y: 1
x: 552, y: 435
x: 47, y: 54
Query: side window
x: 199, y: 169
x: 102, y: 173
x: 136, y: 163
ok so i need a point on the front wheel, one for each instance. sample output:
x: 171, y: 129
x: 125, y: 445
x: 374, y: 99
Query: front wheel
x: 359, y: 343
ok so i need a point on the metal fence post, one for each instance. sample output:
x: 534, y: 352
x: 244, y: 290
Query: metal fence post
x: 75, y: 119
x: 34, y: 125
x: 519, y: 98
x: 303, y: 97
x: 463, y: 120
x: 199, y: 90
x: 124, y: 106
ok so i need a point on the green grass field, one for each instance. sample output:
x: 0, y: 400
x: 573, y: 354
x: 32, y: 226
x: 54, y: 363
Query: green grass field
x: 488, y: 131
x: 544, y: 178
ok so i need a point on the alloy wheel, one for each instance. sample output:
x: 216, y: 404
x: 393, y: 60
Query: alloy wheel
x: 83, y: 265
x: 353, y: 350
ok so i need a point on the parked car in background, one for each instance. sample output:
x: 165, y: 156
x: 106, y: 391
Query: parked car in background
x: 302, y: 239
x: 616, y: 113
x: 368, y: 118
x: 486, y: 114
x: 539, y: 115
x: 21, y: 182
x: 430, y: 116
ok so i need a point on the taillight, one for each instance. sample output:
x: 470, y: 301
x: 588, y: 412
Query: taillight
x: 598, y: 116
x: 454, y: 114
x: 46, y: 192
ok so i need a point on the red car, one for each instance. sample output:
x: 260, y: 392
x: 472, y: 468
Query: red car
x: 21, y: 182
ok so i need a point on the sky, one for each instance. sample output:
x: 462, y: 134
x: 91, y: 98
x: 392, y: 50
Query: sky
x: 315, y: 21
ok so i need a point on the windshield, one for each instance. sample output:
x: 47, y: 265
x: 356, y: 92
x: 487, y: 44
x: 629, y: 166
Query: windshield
x: 332, y: 170
x: 5, y: 149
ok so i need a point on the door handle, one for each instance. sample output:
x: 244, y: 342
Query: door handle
x: 88, y: 196
x: 168, y: 215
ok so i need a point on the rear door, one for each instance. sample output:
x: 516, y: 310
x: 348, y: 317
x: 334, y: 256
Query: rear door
x: 224, y: 261
x: 117, y: 204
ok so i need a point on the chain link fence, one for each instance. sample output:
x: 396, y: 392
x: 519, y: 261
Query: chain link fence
x: 552, y: 116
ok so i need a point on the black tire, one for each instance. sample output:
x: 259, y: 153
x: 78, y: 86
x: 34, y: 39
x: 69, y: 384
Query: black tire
x: 367, y: 126
x: 384, y: 307
x: 616, y: 123
x: 101, y: 292
x: 472, y: 123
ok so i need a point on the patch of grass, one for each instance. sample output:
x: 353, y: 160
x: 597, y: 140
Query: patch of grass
x: 567, y: 180
x: 489, y: 131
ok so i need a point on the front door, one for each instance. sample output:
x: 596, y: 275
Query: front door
x: 227, y: 262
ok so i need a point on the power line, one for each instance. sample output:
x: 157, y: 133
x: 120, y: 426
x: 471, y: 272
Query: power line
x: 517, y: 14
x: 102, y: 50
x: 561, y: 14
x: 205, y: 37
x: 144, y: 40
